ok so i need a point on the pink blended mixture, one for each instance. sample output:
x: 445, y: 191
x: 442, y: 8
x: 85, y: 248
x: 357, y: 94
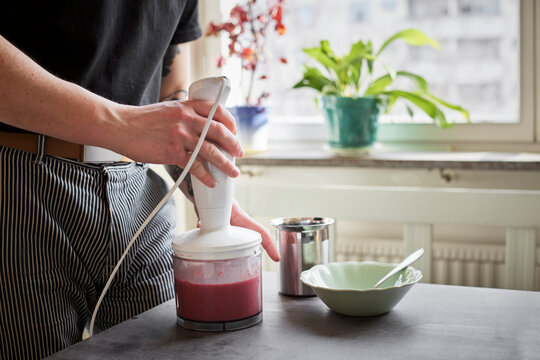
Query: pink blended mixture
x: 218, y: 302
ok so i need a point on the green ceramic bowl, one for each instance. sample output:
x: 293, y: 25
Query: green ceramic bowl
x: 346, y: 287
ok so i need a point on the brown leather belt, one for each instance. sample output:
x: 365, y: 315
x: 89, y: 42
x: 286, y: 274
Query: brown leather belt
x: 53, y: 146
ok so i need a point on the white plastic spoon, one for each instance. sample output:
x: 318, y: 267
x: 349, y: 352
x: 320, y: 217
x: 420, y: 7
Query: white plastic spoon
x: 402, y: 265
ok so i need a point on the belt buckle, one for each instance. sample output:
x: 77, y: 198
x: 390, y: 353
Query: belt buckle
x: 95, y: 154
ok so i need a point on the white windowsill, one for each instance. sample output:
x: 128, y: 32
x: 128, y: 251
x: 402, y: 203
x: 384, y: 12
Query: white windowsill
x: 316, y: 153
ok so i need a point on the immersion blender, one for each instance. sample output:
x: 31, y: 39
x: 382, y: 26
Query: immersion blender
x: 211, y: 89
x: 217, y: 268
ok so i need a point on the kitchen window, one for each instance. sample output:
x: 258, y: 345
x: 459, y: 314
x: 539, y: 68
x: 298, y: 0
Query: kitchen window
x: 486, y: 63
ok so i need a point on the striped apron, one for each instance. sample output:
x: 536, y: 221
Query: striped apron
x: 63, y: 227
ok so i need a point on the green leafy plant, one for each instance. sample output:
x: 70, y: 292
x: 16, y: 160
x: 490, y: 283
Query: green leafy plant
x: 352, y: 76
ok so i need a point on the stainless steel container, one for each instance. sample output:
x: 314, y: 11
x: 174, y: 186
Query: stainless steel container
x: 302, y: 243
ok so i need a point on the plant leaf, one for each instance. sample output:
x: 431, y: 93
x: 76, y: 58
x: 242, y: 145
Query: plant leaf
x: 419, y: 80
x: 354, y: 78
x: 358, y: 50
x: 313, y: 78
x: 326, y: 57
x: 370, y: 57
x: 392, y: 101
x: 354, y: 60
x: 380, y: 84
x: 428, y: 106
x: 458, y: 108
x: 391, y: 72
x: 325, y: 48
x: 323, y: 55
x: 411, y: 36
x: 410, y: 111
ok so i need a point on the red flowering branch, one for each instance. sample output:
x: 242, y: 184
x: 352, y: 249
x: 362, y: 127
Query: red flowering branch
x: 247, y: 28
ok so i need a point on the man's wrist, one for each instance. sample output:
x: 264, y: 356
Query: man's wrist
x: 180, y: 94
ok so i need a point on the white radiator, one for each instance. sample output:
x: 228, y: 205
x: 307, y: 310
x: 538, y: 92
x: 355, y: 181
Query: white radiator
x: 454, y: 264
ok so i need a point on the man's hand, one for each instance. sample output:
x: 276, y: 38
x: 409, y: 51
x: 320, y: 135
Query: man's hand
x: 167, y: 133
x: 240, y: 218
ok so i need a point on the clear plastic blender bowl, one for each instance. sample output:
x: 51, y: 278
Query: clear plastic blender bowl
x: 217, y: 295
x: 218, y: 283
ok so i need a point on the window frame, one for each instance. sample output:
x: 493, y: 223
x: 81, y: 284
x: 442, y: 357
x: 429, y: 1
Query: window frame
x: 525, y: 131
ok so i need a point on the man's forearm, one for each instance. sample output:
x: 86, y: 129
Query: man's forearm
x: 174, y: 84
x: 175, y: 73
x: 33, y: 99
x: 175, y: 76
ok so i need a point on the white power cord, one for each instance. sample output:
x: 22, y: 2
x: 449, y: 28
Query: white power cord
x: 163, y: 201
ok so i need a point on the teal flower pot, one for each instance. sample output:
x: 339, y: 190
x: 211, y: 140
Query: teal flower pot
x: 351, y: 123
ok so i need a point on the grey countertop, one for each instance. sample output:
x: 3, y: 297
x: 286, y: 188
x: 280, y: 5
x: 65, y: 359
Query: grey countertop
x: 316, y: 154
x: 431, y: 322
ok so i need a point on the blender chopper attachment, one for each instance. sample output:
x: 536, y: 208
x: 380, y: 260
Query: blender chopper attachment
x: 217, y: 268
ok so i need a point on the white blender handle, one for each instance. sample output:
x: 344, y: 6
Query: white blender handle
x: 213, y: 204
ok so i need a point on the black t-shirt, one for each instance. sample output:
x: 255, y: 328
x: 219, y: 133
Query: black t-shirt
x: 113, y: 48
